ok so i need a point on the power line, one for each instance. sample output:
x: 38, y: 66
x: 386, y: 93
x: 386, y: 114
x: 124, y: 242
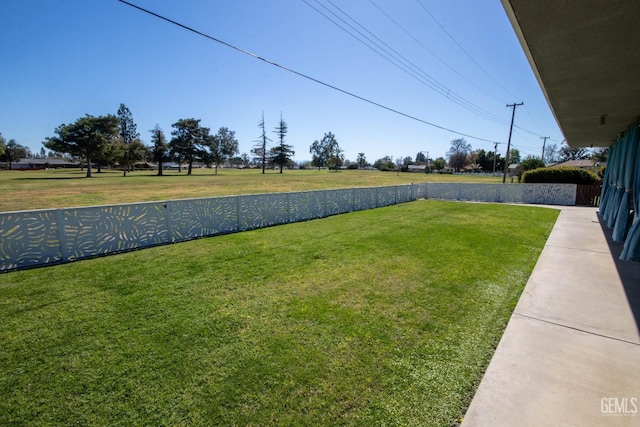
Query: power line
x: 255, y: 56
x: 502, y: 121
x: 463, y: 50
x: 433, y: 53
x: 398, y: 60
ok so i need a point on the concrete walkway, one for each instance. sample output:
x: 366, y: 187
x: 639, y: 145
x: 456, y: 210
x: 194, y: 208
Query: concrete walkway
x: 570, y: 354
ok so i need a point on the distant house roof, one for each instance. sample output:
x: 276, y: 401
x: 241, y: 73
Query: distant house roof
x: 585, y: 164
x: 42, y: 163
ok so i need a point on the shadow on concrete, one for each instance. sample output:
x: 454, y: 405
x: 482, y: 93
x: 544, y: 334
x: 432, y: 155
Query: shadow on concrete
x: 629, y: 271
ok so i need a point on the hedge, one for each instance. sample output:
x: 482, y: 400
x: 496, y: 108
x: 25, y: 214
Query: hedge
x: 560, y: 175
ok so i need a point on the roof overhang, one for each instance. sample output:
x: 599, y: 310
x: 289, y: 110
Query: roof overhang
x: 586, y: 57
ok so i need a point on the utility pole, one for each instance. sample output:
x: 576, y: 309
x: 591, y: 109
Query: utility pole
x: 495, y: 154
x: 543, y: 144
x: 506, y: 158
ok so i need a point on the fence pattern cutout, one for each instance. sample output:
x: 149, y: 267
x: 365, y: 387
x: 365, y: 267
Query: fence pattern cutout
x: 51, y: 236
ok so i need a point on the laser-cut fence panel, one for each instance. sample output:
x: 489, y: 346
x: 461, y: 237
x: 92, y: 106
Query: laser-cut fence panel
x: 386, y: 196
x: 194, y: 218
x: 365, y: 198
x: 29, y: 239
x: 443, y: 191
x: 405, y: 193
x: 339, y: 201
x: 35, y: 238
x: 508, y: 193
x: 550, y: 194
x: 263, y: 210
x: 106, y: 229
x: 306, y: 205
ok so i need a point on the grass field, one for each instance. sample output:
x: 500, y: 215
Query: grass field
x: 380, y: 317
x: 24, y: 190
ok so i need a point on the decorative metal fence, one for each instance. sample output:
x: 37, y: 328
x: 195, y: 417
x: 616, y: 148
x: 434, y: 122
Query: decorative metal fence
x: 51, y: 236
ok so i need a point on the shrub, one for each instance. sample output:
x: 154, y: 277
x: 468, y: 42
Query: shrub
x: 601, y: 171
x: 561, y: 175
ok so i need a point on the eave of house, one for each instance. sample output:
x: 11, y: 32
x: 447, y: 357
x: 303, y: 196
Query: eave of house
x: 586, y: 57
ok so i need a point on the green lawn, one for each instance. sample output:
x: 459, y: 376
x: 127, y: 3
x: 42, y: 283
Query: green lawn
x: 24, y: 190
x: 380, y: 317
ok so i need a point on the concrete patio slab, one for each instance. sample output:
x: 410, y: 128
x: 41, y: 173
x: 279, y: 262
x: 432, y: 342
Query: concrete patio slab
x: 571, y: 351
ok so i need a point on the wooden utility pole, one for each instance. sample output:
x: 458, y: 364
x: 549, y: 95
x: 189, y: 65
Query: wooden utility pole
x: 543, y: 144
x: 506, y: 158
x: 495, y: 153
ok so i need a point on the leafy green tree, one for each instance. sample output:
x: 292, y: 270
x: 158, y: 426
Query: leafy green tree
x: 326, y: 152
x: 384, y: 164
x: 458, y: 153
x: 282, y: 153
x: 529, y: 163
x: 160, y: 148
x: 551, y: 154
x: 14, y: 151
x: 189, y: 141
x: 132, y: 148
x: 486, y: 160
x: 2, y: 144
x: 439, y: 163
x: 260, y: 149
x: 86, y: 138
x: 514, y: 156
x: 319, y: 154
x: 567, y: 153
x: 111, y: 154
x: 335, y: 156
x: 421, y: 158
x: 222, y: 146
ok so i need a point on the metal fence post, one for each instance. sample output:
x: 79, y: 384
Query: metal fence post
x: 62, y: 236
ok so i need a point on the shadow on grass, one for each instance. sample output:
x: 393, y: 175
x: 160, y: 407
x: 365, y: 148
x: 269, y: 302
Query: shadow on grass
x: 629, y: 272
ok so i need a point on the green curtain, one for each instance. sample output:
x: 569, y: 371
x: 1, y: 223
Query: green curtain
x: 626, y: 178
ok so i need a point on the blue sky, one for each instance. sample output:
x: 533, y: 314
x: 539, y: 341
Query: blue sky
x: 63, y: 59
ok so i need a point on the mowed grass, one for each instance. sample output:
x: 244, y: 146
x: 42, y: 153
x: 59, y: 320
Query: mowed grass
x: 380, y: 317
x: 25, y: 190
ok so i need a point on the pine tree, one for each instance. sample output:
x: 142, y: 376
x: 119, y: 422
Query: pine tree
x: 132, y: 149
x: 260, y: 149
x: 281, y: 154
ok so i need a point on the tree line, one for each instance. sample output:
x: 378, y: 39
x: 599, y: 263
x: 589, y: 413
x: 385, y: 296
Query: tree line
x: 114, y: 139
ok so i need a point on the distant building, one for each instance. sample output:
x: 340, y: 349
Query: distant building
x: 582, y: 164
x: 46, y: 163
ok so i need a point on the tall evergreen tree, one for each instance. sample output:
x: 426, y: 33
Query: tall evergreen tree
x: 132, y: 148
x: 189, y: 141
x: 281, y: 154
x: 160, y: 148
x: 260, y: 149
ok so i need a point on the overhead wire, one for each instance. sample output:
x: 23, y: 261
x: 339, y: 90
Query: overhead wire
x: 481, y: 68
x: 464, y: 50
x: 398, y: 60
x: 300, y: 74
x: 450, y: 67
